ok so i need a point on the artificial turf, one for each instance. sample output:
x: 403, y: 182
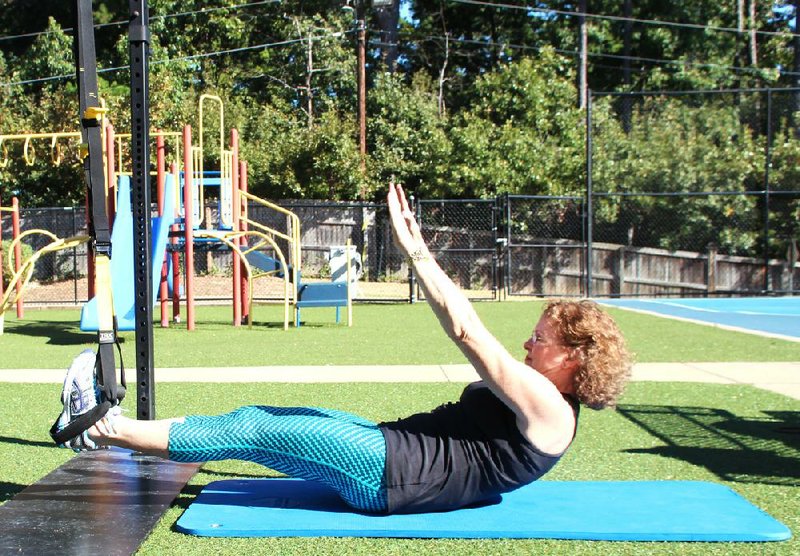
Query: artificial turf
x: 735, y: 435
x: 398, y: 334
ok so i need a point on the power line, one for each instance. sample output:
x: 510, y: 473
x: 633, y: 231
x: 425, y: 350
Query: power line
x: 264, y: 46
x: 655, y: 22
x: 152, y: 18
x: 661, y: 61
x: 484, y: 3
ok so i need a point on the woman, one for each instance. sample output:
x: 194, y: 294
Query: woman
x: 506, y: 430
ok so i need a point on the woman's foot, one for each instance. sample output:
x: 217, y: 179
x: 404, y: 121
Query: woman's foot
x: 80, y: 395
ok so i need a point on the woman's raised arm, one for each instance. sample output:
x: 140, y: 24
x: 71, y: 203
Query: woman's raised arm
x: 538, y: 404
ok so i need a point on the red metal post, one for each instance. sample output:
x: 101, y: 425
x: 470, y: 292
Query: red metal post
x: 187, y: 225
x: 243, y: 225
x: 176, y: 260
x: 161, y: 170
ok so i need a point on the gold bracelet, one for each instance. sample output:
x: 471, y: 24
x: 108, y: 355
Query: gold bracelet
x: 418, y: 255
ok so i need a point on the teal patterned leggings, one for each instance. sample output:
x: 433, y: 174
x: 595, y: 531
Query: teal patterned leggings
x: 341, y: 450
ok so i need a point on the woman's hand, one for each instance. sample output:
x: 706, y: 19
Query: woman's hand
x: 407, y: 235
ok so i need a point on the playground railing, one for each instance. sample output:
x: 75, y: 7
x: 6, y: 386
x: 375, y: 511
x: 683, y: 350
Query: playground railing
x: 293, y: 237
x: 29, y: 150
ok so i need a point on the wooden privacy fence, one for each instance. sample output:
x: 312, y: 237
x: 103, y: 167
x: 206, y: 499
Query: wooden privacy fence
x: 618, y: 271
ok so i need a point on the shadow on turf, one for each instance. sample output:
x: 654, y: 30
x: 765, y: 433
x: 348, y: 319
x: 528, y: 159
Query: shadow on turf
x: 735, y: 449
x: 26, y: 442
x: 190, y: 492
x: 57, y: 333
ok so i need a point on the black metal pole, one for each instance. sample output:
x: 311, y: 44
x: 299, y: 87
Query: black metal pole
x: 139, y: 42
x: 507, y: 258
x: 498, y: 252
x: 589, y: 185
x: 74, y: 260
x: 767, y: 164
x: 412, y: 281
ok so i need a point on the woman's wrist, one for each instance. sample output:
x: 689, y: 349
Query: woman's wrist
x: 418, y: 255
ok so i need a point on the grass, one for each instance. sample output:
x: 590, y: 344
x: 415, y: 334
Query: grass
x: 735, y: 435
x: 382, y: 334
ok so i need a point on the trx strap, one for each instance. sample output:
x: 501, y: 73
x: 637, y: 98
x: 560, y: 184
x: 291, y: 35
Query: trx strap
x: 92, y: 153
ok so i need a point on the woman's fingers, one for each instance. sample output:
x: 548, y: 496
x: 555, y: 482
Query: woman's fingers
x: 402, y: 196
x: 406, y: 230
x: 399, y: 220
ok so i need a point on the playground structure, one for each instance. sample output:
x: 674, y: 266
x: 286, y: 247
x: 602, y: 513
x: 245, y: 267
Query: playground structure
x: 181, y: 225
x: 14, y: 263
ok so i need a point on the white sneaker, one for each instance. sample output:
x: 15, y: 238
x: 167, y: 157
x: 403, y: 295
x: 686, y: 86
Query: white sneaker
x: 79, y: 395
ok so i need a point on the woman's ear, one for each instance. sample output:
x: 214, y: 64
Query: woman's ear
x: 571, y: 361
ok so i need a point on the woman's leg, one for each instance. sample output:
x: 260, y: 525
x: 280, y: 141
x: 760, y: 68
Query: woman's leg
x: 149, y: 437
x: 341, y: 450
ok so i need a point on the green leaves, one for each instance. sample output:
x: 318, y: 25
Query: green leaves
x: 522, y: 132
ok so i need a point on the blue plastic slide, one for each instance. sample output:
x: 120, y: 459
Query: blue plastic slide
x: 122, y: 255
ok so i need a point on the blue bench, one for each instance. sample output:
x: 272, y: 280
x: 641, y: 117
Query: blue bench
x: 334, y: 294
x: 314, y: 294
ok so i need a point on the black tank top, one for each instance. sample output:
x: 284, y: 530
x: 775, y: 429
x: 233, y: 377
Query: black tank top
x: 459, y: 454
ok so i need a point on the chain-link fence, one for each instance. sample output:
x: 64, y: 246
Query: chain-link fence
x: 462, y: 235
x: 544, y: 248
x: 59, y: 277
x: 693, y: 192
x: 324, y: 227
x: 512, y: 245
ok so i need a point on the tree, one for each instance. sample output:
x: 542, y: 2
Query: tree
x: 522, y: 133
x: 407, y: 138
x: 676, y: 145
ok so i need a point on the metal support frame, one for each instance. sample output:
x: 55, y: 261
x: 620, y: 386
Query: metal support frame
x: 767, y: 165
x: 589, y: 193
x: 139, y: 43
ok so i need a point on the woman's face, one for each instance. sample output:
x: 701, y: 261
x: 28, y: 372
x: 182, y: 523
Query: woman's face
x: 547, y: 354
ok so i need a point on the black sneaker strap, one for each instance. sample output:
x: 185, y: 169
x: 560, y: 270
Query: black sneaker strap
x: 79, y: 424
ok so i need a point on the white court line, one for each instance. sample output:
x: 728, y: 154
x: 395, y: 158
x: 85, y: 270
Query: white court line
x: 682, y: 306
x: 705, y: 310
x: 756, y: 313
x: 704, y: 323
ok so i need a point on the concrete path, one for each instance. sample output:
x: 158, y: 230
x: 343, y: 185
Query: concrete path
x: 783, y: 378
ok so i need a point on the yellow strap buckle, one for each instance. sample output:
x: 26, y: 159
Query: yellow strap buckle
x: 94, y: 113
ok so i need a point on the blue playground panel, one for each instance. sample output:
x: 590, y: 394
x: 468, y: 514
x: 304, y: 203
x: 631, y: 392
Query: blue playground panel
x: 122, y: 275
x: 779, y: 316
x: 211, y: 179
x: 577, y: 510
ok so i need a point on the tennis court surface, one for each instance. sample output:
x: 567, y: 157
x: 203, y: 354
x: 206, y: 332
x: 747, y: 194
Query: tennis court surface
x: 768, y: 316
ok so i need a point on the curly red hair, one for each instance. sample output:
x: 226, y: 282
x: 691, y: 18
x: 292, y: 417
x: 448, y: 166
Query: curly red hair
x: 604, y: 362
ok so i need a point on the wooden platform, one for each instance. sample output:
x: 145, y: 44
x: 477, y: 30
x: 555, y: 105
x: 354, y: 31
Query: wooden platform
x: 102, y: 502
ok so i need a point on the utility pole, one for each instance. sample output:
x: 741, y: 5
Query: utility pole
x: 361, y: 52
x: 796, y: 63
x: 627, y: 39
x: 360, y: 7
x: 583, y: 85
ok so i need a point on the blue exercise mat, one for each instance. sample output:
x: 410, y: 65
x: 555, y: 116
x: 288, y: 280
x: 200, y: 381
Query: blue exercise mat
x: 609, y: 511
